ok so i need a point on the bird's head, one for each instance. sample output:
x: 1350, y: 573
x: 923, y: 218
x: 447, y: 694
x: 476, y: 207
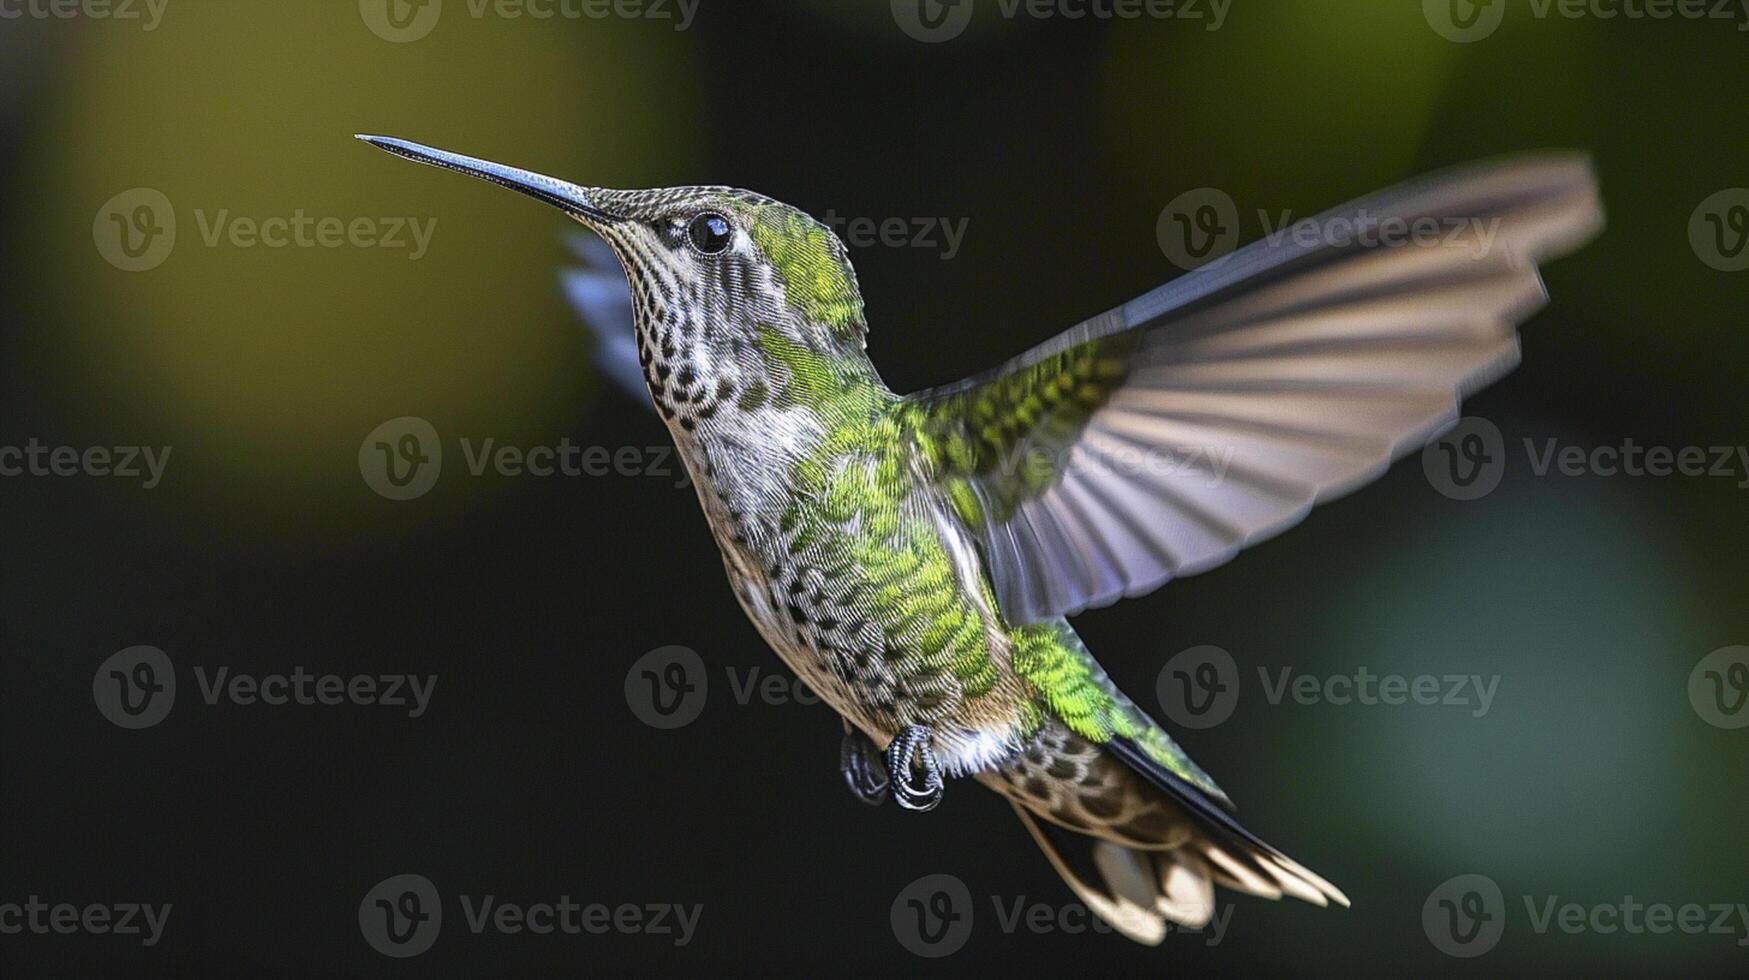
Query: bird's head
x: 709, y: 266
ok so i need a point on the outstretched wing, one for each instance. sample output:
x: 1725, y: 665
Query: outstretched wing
x: 1160, y: 438
x: 603, y: 300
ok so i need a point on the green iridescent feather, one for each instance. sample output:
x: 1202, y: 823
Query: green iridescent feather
x: 850, y: 512
x: 809, y: 260
x: 1076, y: 689
x: 1005, y: 439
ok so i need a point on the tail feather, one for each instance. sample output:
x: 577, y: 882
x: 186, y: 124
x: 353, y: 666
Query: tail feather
x: 1144, y: 924
x: 1292, y: 884
x: 1139, y: 891
x: 1241, y: 858
x: 1235, y: 872
x: 1138, y: 885
x: 1187, y: 891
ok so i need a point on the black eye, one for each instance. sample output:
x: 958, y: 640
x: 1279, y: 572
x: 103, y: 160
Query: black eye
x: 710, y: 233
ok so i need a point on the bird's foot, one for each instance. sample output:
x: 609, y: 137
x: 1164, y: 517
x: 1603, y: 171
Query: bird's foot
x: 867, y: 781
x: 908, y: 755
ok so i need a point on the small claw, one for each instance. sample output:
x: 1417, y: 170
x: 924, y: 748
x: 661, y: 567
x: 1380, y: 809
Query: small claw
x: 909, y: 750
x: 867, y: 782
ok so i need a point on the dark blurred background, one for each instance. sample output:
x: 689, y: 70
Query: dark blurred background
x: 1593, y: 777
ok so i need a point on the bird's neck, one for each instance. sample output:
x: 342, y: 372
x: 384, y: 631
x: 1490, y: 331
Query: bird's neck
x: 702, y: 375
x: 747, y: 411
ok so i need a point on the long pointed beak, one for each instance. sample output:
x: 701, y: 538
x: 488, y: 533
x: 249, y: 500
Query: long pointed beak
x: 561, y: 194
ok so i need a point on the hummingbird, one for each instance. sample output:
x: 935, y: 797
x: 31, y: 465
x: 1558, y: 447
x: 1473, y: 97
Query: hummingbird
x: 914, y: 558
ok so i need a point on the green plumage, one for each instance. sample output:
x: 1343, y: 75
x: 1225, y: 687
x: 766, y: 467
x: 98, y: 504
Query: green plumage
x: 815, y: 282
x: 1076, y: 689
x: 995, y: 443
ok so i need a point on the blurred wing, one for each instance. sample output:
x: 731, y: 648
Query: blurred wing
x: 1160, y: 438
x: 603, y: 300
